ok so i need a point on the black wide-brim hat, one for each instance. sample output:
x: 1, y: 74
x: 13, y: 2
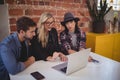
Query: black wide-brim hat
x: 68, y: 17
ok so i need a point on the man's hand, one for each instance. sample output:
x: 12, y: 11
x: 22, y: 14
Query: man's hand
x: 30, y: 61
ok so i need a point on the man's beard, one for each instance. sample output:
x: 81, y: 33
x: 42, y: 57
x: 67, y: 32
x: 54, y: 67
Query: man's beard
x: 26, y: 38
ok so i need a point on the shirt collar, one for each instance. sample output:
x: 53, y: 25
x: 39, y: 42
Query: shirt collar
x: 17, y: 41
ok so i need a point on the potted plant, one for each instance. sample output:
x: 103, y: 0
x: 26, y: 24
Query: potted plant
x: 97, y: 15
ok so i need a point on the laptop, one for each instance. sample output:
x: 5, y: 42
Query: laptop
x: 75, y: 62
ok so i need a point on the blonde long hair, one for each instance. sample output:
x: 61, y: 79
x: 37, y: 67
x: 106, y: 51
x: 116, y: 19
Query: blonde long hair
x: 42, y: 34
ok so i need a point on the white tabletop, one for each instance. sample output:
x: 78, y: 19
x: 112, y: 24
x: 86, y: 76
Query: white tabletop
x: 107, y: 69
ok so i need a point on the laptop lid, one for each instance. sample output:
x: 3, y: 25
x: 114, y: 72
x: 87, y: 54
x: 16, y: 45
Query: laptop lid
x: 75, y: 62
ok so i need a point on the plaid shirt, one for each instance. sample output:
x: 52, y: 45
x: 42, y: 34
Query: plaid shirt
x: 66, y: 41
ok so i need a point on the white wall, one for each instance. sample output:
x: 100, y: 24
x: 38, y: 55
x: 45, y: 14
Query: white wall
x: 4, y: 21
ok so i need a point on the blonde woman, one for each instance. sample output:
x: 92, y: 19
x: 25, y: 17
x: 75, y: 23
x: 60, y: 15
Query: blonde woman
x: 45, y: 45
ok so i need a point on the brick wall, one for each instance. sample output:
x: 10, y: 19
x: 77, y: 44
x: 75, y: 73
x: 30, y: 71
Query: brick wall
x: 34, y: 8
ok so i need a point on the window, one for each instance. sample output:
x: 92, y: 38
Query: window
x: 114, y: 3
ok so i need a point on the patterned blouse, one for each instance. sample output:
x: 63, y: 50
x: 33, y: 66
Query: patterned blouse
x: 66, y: 41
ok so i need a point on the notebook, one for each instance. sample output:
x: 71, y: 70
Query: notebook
x: 76, y: 61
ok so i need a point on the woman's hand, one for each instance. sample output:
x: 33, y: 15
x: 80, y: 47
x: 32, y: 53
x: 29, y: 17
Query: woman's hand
x: 62, y: 57
x: 90, y: 59
x: 70, y: 51
x: 59, y: 54
x: 49, y: 58
x: 54, y: 57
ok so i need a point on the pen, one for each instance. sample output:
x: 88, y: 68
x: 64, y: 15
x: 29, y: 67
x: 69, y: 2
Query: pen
x: 95, y: 61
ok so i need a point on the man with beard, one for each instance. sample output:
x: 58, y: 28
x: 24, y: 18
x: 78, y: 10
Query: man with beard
x: 14, y: 49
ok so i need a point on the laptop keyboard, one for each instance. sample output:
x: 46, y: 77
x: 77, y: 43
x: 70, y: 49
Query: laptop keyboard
x: 64, y: 69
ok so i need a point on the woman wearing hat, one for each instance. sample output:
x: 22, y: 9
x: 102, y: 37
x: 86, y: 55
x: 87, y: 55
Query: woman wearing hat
x: 45, y: 44
x: 72, y: 38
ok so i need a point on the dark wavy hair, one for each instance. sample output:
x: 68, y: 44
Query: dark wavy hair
x: 24, y: 23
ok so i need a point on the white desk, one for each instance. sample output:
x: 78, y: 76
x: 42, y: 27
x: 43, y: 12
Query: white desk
x: 107, y: 69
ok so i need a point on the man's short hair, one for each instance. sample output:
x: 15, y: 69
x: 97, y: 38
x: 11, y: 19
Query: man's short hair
x: 24, y: 23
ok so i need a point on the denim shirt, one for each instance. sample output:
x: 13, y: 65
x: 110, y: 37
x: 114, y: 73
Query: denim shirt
x: 10, y: 49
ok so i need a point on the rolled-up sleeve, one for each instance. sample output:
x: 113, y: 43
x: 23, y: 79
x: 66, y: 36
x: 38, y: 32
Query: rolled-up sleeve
x: 10, y: 61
